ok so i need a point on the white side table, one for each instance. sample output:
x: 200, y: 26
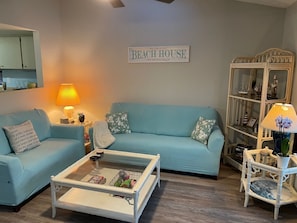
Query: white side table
x: 261, y: 179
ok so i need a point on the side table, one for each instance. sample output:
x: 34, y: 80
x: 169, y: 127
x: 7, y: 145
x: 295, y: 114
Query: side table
x: 87, y: 125
x: 261, y: 179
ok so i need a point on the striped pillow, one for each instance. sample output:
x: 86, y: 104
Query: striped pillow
x: 22, y: 137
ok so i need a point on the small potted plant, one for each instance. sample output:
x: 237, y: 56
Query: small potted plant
x: 283, y: 155
x: 285, y: 146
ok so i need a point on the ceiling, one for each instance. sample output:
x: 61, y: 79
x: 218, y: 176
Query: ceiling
x: 274, y: 3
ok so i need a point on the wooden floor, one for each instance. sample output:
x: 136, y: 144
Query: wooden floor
x: 181, y: 199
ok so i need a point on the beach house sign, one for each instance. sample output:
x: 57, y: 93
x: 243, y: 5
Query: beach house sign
x: 159, y: 54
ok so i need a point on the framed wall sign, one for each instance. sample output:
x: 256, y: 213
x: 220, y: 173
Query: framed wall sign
x: 159, y: 54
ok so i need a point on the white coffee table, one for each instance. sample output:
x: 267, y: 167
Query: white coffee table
x: 72, y: 190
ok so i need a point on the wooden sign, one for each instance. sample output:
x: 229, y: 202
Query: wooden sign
x: 159, y: 54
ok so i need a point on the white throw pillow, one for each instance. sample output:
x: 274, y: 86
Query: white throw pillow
x: 22, y: 137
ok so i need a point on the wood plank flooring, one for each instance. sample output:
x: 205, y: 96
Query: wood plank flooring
x: 181, y: 199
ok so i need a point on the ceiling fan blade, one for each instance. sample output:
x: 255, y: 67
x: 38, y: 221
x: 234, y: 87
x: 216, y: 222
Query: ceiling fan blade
x: 165, y: 1
x: 117, y: 3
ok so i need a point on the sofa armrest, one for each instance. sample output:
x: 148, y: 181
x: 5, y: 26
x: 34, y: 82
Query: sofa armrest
x: 216, y: 140
x: 91, y: 132
x: 11, y: 169
x: 68, y: 132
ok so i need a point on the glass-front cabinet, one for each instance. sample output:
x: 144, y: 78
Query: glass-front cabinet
x: 255, y: 84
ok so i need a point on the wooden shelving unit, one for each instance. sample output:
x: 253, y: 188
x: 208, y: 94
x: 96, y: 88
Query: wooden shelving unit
x: 255, y: 84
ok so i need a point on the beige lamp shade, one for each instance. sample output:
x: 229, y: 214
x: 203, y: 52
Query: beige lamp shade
x: 279, y: 116
x: 67, y: 96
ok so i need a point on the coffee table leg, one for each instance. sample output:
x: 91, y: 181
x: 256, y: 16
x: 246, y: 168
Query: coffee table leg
x: 53, y: 193
x: 136, y: 195
x: 158, y: 171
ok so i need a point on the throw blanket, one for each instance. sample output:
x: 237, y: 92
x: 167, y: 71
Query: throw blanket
x: 102, y: 137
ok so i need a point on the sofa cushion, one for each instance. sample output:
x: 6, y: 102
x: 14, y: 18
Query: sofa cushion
x: 118, y: 123
x: 172, y: 120
x: 49, y: 155
x: 4, y: 144
x: 39, y: 119
x: 177, y: 153
x: 202, y: 130
x: 22, y: 137
x: 37, y: 167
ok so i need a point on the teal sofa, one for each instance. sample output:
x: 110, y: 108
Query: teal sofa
x: 166, y: 130
x: 25, y: 173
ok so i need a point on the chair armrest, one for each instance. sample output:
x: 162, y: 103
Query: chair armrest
x: 11, y: 169
x: 216, y: 140
x: 68, y: 132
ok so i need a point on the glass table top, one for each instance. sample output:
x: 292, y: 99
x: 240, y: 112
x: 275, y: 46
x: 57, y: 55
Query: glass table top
x: 109, y: 168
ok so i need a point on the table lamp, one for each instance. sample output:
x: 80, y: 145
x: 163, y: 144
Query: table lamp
x: 282, y: 120
x: 68, y: 97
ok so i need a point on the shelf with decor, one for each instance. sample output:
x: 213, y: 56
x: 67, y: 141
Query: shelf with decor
x: 255, y: 84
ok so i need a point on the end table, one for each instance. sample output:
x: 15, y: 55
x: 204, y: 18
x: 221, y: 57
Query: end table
x: 261, y: 179
x: 87, y: 125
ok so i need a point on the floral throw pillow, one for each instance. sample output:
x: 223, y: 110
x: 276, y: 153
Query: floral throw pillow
x: 202, y: 130
x: 118, y: 123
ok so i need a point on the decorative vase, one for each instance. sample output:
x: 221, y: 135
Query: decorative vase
x: 282, y: 161
x: 277, y: 140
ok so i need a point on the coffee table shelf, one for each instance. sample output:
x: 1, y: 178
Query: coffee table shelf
x: 98, y: 199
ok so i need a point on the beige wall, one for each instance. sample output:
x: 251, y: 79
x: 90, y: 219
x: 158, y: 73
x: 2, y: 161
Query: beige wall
x: 43, y: 16
x: 93, y: 39
x: 97, y: 37
x: 290, y: 42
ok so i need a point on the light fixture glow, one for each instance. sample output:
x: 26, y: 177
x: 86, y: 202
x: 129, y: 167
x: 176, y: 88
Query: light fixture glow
x: 68, y: 97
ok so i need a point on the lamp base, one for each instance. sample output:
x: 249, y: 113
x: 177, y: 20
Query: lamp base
x: 68, y: 112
